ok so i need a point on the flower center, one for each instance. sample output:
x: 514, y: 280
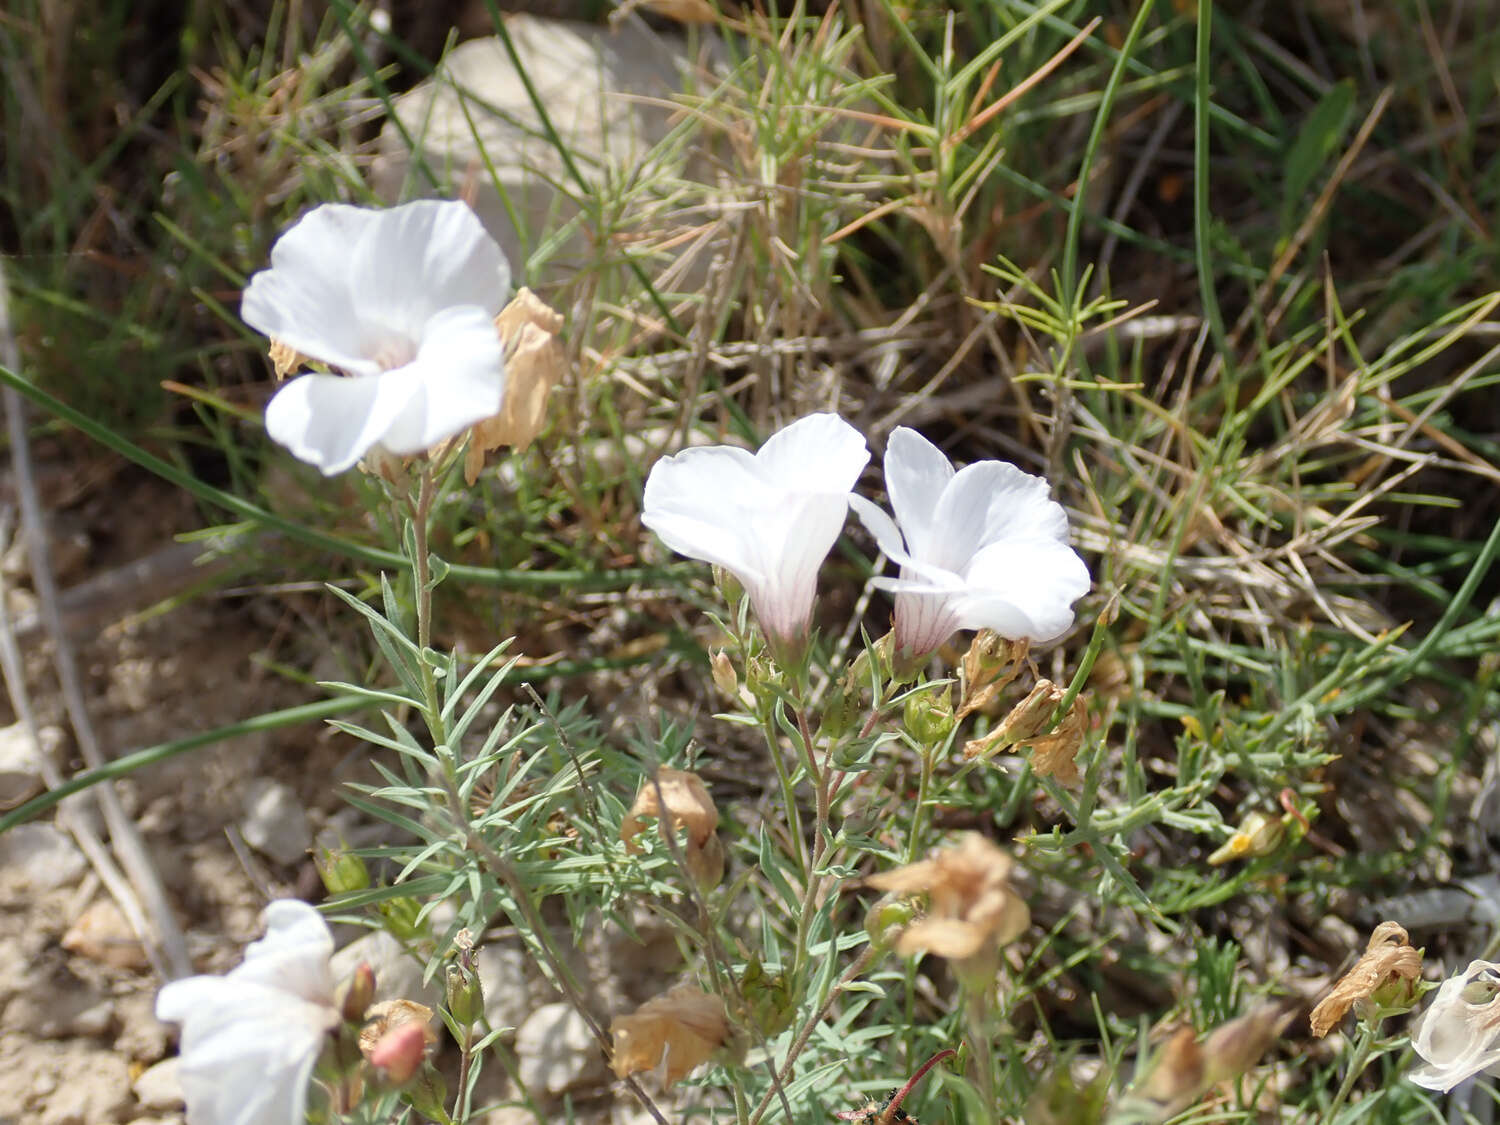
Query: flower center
x: 394, y: 352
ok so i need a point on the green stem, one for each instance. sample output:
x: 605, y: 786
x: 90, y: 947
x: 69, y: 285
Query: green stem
x: 359, y: 552
x: 924, y: 785
x: 1202, y: 216
x: 465, y: 1061
x: 788, y: 791
x: 977, y: 1020
x: 1364, y: 1047
x: 422, y: 575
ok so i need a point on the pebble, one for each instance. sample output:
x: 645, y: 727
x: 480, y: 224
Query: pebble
x: 556, y: 1051
x: 21, y: 758
x: 502, y: 972
x: 608, y: 92
x: 40, y: 857
x: 102, y: 934
x: 275, y: 823
x: 159, y: 1087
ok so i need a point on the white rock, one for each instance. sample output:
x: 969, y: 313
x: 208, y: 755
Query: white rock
x: 398, y: 975
x: 160, y: 1087
x: 40, y: 857
x: 21, y: 758
x: 275, y: 824
x: 556, y: 1051
x: 509, y: 1115
x: 607, y: 93
x: 502, y: 972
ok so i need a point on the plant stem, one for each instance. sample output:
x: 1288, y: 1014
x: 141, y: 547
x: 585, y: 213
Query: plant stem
x: 1364, y: 1047
x: 465, y: 1061
x: 977, y: 1016
x: 866, y: 955
x: 422, y: 575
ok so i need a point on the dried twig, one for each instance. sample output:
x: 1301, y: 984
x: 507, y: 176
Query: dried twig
x: 128, y: 846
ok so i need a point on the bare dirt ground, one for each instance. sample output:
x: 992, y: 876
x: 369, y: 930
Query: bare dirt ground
x: 76, y: 991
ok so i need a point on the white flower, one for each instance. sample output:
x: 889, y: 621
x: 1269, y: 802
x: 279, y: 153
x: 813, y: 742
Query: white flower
x: 250, y: 1039
x: 403, y: 302
x: 769, y: 518
x: 983, y: 548
x: 1459, y: 1034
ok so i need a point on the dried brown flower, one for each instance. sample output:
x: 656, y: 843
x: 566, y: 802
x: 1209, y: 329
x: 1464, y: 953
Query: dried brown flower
x: 1388, y: 957
x: 534, y: 362
x: 386, y: 1016
x: 688, y: 805
x: 676, y: 1031
x: 285, y: 359
x: 396, y: 1037
x: 990, y: 665
x: 1183, y: 1069
x: 1054, y: 751
x: 972, y: 909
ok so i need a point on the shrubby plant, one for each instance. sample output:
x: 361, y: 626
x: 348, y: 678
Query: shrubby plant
x: 977, y: 881
x: 409, y: 345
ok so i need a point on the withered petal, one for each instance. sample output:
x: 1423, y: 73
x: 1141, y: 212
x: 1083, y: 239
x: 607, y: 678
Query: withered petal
x: 677, y: 1031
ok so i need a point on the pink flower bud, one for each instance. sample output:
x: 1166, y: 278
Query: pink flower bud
x: 399, y: 1052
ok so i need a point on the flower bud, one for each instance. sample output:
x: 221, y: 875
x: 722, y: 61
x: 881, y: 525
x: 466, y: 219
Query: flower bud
x: 341, y: 870
x: 402, y: 918
x: 769, y: 999
x: 724, y: 675
x: 465, y: 996
x: 843, y: 707
x: 886, y: 920
x: 357, y: 993
x: 761, y: 678
x: 398, y: 1053
x: 1258, y: 835
x: 929, y: 716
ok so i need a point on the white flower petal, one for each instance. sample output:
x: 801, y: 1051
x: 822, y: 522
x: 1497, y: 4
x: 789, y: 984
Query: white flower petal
x: 1024, y: 588
x: 916, y: 473
x: 985, y: 502
x: 699, y: 503
x: 460, y: 372
x: 792, y: 553
x: 924, y: 621
x: 293, y: 956
x: 305, y: 299
x: 250, y: 1039
x: 247, y: 1051
x: 816, y: 453
x: 985, y: 547
x: 1447, y: 1077
x: 881, y: 526
x: 711, y: 542
x: 421, y: 258
x: 331, y: 421
x: 1455, y: 1039
x: 769, y: 518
